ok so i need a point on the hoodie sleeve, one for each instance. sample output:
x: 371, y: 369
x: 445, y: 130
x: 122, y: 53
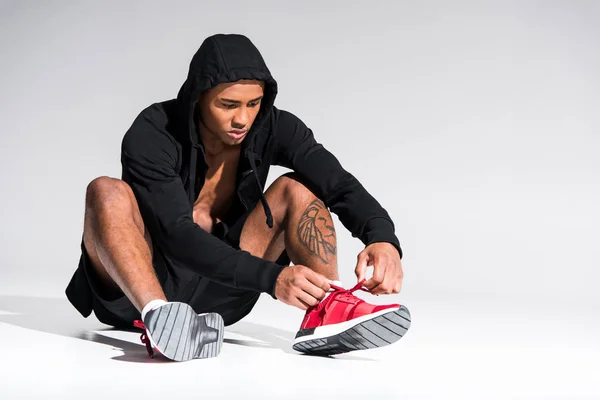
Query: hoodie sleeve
x: 149, y: 161
x: 358, y: 211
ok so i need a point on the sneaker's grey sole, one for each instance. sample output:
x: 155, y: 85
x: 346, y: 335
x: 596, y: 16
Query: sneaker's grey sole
x: 377, y: 332
x: 180, y: 334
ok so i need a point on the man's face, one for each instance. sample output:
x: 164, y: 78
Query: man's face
x: 231, y: 107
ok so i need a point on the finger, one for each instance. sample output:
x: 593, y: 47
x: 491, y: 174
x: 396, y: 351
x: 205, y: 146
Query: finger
x: 378, y: 274
x: 386, y: 286
x: 390, y: 281
x: 317, y: 279
x: 361, y: 265
x: 314, y: 291
x: 298, y: 304
x: 399, y: 279
x: 398, y: 286
x: 307, y: 298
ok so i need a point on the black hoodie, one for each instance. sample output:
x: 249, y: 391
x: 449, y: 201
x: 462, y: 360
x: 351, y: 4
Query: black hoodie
x: 163, y: 162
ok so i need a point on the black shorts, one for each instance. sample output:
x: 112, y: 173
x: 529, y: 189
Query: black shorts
x: 86, y: 294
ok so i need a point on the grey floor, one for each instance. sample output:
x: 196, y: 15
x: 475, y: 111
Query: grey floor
x: 454, y: 350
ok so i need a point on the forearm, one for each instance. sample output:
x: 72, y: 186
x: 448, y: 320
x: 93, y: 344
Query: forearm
x: 208, y: 256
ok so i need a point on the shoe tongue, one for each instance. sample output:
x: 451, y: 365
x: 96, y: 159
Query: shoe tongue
x: 327, y: 295
x: 338, y: 287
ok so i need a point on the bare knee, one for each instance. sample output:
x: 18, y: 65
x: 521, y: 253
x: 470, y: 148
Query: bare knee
x: 109, y: 199
x: 106, y: 192
x: 292, y: 189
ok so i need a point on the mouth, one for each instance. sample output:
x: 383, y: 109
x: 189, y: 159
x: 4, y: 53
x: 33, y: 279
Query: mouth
x: 237, y: 134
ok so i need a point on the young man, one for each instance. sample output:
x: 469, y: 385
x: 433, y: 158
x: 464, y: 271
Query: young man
x: 187, y: 240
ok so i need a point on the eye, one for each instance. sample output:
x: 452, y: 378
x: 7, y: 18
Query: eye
x: 230, y: 106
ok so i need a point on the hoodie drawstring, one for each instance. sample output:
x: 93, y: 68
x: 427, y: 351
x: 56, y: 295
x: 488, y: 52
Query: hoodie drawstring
x: 192, y: 174
x: 263, y: 199
x: 251, y: 159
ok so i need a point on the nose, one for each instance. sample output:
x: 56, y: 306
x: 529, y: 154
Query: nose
x: 241, y: 118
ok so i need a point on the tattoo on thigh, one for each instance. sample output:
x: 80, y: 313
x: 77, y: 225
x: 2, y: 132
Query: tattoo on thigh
x: 315, y: 233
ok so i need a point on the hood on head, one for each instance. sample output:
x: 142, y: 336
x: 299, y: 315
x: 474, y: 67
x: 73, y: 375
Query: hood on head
x: 223, y: 58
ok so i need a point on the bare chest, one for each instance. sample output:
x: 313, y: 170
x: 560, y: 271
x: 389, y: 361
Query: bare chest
x: 216, y: 195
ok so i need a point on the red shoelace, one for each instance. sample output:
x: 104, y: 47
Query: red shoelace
x: 347, y: 294
x: 144, y: 337
x: 359, y: 286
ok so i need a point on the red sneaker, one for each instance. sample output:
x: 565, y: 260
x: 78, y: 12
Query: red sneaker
x: 343, y: 322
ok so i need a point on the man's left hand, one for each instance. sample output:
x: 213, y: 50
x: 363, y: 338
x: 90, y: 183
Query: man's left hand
x: 387, y: 268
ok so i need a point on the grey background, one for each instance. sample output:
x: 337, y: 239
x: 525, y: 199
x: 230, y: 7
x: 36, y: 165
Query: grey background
x: 476, y: 124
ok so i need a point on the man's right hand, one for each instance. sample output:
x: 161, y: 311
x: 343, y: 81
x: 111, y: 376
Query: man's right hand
x: 301, y: 287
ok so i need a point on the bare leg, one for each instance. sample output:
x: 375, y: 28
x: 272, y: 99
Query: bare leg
x: 302, y: 225
x: 117, y: 242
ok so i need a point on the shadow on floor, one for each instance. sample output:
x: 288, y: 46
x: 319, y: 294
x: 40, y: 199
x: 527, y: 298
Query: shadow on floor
x: 57, y: 316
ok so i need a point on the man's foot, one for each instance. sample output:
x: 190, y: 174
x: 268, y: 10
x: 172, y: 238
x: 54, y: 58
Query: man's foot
x: 342, y: 322
x: 177, y: 332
